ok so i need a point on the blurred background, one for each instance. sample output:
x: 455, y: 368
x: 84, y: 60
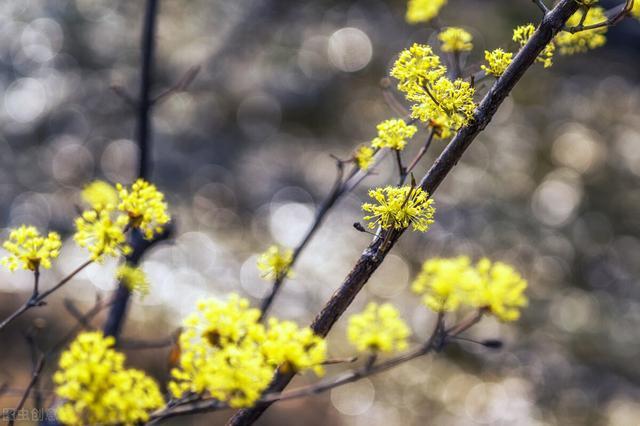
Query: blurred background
x: 244, y: 159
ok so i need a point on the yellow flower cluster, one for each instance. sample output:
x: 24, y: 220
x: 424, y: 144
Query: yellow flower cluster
x: 364, y: 157
x: 133, y: 278
x: 292, y: 348
x: 101, y: 229
x: 582, y: 41
x: 447, y: 284
x: 275, y: 263
x: 378, y: 328
x: 423, y: 10
x: 29, y: 250
x: 523, y: 33
x: 96, y: 387
x: 102, y: 234
x: 443, y: 282
x: 446, y: 105
x: 227, y: 353
x: 393, y: 134
x: 145, y: 206
x: 455, y: 39
x: 497, y: 61
x: 399, y: 207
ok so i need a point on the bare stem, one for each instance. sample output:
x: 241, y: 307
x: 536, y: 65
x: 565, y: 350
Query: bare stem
x: 402, y: 171
x: 35, y: 376
x: 421, y: 153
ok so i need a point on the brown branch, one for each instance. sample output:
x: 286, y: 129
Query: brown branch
x: 373, y: 255
x: 37, y: 299
x: 34, y: 379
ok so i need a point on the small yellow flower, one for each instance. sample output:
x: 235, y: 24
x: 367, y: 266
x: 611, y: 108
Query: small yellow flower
x: 523, y: 33
x: 134, y: 278
x: 446, y: 105
x: 100, y: 195
x: 293, y: 348
x: 97, y: 389
x: 582, y: 41
x: 29, y: 250
x: 444, y: 283
x: 415, y: 68
x: 455, y: 39
x: 498, y: 60
x: 400, y: 207
x: 501, y: 290
x: 378, y: 328
x: 364, y: 157
x: 393, y: 134
x: 423, y: 10
x: 101, y: 235
x: 275, y: 263
x: 145, y: 206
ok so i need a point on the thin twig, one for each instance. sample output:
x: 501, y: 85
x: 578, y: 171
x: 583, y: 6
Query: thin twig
x: 375, y: 253
x: 180, y: 86
x: 82, y: 323
x: 402, y: 171
x: 421, y: 153
x: 34, y: 379
x: 616, y: 17
x: 338, y: 190
x: 144, y: 103
x: 543, y: 7
x: 37, y: 299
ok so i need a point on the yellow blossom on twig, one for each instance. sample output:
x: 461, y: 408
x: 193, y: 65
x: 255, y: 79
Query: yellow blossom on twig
x: 455, y: 39
x: 364, y: 157
x: 145, y: 207
x: 393, y: 134
x: 583, y: 40
x: 447, y: 284
x: 275, y: 263
x: 293, y: 348
x: 134, y: 278
x: 102, y: 235
x: 29, y: 250
x: 523, y: 33
x: 398, y: 208
x: 378, y: 328
x: 497, y: 61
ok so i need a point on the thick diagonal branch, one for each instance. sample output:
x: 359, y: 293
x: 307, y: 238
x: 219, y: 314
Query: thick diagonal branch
x: 373, y: 256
